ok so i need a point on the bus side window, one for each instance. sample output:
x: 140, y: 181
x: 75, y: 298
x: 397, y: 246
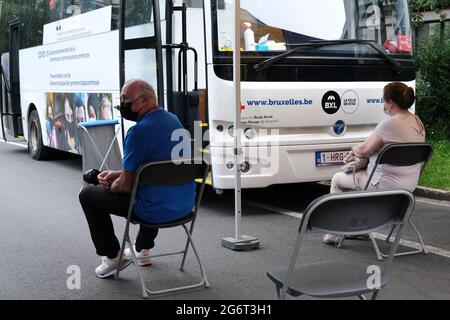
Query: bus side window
x: 138, y: 13
x: 194, y: 4
x: 199, y: 4
x: 62, y: 9
x: 90, y: 5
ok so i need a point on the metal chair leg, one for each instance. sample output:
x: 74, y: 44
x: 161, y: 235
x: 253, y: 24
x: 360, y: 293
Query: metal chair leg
x: 388, y: 238
x: 375, y: 246
x: 202, y: 269
x: 122, y: 248
x: 183, y: 260
x: 126, y: 240
x: 186, y: 247
x: 141, y: 278
x: 375, y: 295
x: 424, y: 250
x: 341, y: 243
x: 146, y: 292
x: 191, y: 229
x: 204, y: 282
x: 421, y: 249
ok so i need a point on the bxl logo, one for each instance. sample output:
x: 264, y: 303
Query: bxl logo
x: 331, y: 102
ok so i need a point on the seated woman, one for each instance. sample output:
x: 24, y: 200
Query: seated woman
x: 402, y: 126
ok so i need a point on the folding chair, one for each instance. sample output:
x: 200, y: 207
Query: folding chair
x: 169, y: 173
x: 359, y: 212
x: 401, y: 154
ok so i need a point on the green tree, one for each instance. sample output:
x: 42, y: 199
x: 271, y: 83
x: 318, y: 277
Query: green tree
x: 420, y: 6
x: 32, y: 14
x: 433, y: 84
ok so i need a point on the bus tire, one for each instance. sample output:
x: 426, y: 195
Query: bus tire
x: 36, y: 146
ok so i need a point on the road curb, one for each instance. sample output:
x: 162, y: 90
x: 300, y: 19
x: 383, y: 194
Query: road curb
x: 432, y: 193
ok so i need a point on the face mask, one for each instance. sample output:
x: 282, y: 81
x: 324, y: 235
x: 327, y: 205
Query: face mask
x: 125, y: 111
x: 92, y: 119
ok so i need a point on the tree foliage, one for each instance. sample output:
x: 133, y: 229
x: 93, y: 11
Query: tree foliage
x: 32, y: 15
x: 418, y: 7
x: 433, y: 84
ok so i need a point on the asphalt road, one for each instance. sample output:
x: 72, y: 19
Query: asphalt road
x: 44, y: 232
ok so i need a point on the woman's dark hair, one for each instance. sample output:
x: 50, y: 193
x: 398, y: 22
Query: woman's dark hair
x: 92, y: 100
x: 59, y: 105
x: 400, y: 93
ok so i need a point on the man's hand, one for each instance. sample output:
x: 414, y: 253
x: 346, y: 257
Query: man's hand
x: 106, y: 178
x: 349, y: 157
x: 124, y: 183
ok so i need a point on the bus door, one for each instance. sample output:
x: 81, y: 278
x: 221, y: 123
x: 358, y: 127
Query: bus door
x: 140, y: 44
x: 11, y: 116
x: 182, y: 87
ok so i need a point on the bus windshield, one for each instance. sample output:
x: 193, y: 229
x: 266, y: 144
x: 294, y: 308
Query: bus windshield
x: 269, y: 25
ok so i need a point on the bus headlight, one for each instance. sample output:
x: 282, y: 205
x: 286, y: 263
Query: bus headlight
x: 231, y: 131
x: 245, y: 167
x: 250, y: 133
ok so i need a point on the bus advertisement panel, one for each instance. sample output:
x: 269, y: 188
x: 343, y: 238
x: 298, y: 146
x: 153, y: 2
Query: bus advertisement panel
x: 75, y: 81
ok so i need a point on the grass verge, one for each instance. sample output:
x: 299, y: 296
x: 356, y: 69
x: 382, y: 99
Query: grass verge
x: 437, y: 172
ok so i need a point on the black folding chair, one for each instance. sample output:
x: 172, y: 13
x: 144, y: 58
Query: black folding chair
x: 359, y: 212
x: 401, y: 154
x: 169, y: 173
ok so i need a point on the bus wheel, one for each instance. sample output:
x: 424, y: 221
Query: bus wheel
x: 36, y: 146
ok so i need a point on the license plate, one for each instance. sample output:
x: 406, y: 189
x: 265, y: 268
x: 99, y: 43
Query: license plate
x: 330, y: 158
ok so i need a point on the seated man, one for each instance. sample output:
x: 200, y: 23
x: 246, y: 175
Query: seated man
x: 148, y: 140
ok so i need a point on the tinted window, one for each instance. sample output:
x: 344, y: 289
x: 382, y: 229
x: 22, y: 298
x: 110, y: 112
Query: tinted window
x: 34, y: 14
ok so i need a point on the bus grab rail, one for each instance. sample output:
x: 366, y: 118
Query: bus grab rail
x: 182, y: 48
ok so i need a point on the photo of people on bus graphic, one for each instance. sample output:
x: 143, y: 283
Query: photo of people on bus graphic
x: 66, y: 110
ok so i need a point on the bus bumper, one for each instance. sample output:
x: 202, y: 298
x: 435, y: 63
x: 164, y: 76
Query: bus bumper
x: 273, y: 165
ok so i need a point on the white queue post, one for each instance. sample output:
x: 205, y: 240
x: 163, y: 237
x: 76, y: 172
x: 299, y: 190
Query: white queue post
x: 239, y: 242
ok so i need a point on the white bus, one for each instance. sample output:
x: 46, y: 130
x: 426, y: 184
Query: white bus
x: 312, y: 75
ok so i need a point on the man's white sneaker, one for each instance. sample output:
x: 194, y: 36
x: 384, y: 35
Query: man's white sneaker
x: 109, y: 267
x: 143, y: 256
x: 332, y: 239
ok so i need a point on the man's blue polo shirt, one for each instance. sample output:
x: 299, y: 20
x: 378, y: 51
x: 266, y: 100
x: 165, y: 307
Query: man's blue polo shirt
x: 150, y: 140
